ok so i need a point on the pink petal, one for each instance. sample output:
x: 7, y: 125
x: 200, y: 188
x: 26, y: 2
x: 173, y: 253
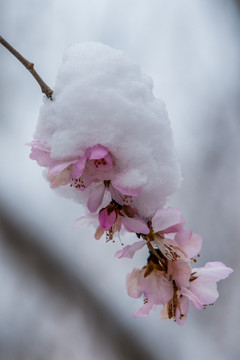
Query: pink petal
x: 109, y: 161
x: 95, y: 197
x: 145, y: 310
x: 189, y: 242
x: 213, y: 270
x: 36, y: 144
x: 106, y: 218
x: 182, y: 236
x: 191, y: 296
x: 127, y: 190
x: 78, y: 167
x: 129, y: 250
x: 168, y: 247
x: 63, y: 178
x: 90, y: 219
x: 59, y: 166
x: 132, y: 283
x: 43, y: 158
x: 97, y: 152
x: 168, y: 220
x: 136, y: 225
x: 203, y: 290
x: 182, y: 309
x: 157, y: 288
x: 180, y: 272
x: 116, y: 195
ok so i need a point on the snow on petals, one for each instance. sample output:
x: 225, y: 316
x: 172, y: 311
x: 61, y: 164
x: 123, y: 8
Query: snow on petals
x: 107, y: 142
x: 80, y: 171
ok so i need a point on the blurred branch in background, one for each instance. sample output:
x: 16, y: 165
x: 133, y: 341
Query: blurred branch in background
x: 64, y: 289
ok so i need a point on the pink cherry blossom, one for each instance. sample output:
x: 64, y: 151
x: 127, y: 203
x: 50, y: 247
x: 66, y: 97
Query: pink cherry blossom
x: 178, y: 311
x: 202, y: 289
x: 167, y: 279
x: 113, y: 214
x: 41, y: 153
x: 96, y: 194
x: 155, y: 288
x: 80, y: 171
x: 123, y: 195
x: 169, y: 236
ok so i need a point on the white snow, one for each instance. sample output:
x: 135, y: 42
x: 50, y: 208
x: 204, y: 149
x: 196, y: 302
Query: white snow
x: 102, y: 97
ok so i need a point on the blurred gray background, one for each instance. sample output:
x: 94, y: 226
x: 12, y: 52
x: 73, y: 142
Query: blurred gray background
x: 62, y: 293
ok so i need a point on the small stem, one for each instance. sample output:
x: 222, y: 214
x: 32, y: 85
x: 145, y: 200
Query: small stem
x: 30, y: 67
x: 153, y: 251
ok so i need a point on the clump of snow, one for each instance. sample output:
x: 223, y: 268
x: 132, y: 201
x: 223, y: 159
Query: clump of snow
x: 102, y: 97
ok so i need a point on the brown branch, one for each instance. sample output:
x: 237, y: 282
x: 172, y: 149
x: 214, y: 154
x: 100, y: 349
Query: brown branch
x: 29, y: 66
x: 153, y: 251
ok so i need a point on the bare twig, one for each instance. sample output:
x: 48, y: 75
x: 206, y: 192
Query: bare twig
x: 29, y: 66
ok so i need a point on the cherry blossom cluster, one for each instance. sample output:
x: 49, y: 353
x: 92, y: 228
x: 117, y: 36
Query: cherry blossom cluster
x: 167, y: 278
